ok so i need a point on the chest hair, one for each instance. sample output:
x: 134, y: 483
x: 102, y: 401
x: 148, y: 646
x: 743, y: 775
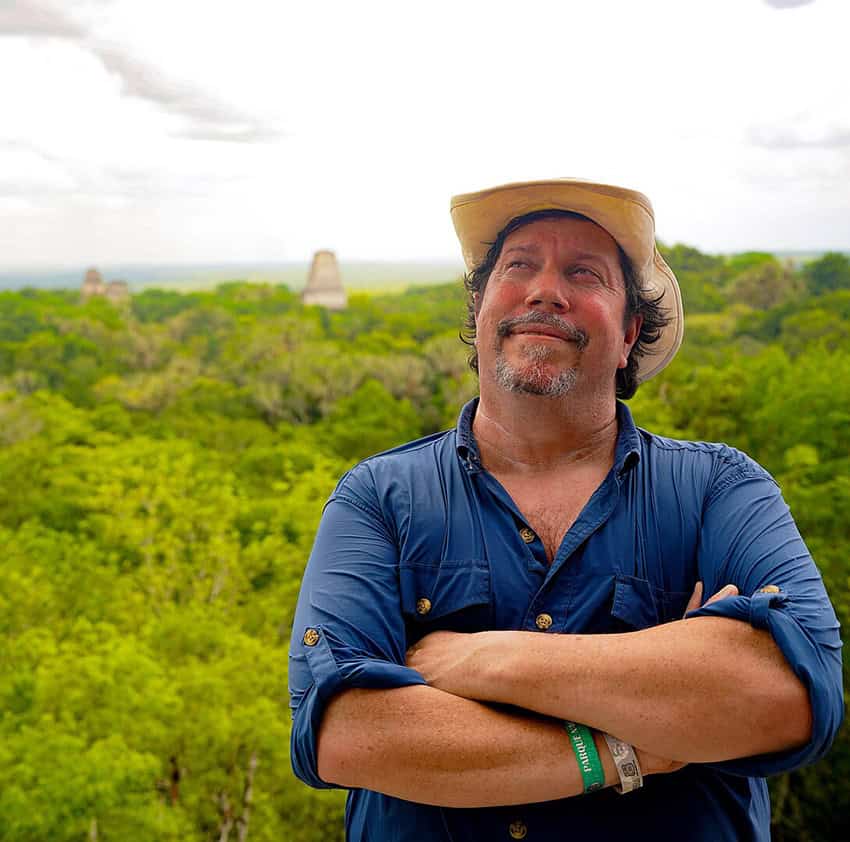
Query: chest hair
x: 551, y: 509
x: 550, y: 525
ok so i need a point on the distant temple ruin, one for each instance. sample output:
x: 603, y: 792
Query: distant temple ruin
x: 324, y: 284
x: 93, y: 284
x: 116, y: 291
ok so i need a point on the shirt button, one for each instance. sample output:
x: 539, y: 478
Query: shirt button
x: 543, y: 621
x: 311, y: 637
x: 770, y: 589
x: 528, y: 536
x: 518, y: 830
x: 423, y: 606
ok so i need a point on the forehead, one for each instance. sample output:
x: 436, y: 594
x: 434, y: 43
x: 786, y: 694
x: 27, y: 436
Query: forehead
x: 564, y: 233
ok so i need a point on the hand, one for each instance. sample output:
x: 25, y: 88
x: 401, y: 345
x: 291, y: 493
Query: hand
x: 696, y: 597
x: 450, y: 661
x: 651, y: 764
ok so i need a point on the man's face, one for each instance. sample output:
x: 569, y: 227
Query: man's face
x: 550, y: 319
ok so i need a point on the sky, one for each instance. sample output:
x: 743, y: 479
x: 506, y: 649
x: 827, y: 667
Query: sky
x: 163, y: 131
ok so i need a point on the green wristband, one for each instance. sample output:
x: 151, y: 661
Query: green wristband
x: 589, y: 763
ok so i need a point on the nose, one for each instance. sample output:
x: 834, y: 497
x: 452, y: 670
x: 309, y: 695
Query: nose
x: 548, y: 291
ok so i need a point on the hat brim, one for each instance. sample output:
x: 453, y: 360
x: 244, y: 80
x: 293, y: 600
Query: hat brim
x: 625, y: 214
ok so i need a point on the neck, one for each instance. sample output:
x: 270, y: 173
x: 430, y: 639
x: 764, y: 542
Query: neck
x: 527, y: 434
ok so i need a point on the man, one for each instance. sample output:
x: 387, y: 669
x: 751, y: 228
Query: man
x: 490, y: 624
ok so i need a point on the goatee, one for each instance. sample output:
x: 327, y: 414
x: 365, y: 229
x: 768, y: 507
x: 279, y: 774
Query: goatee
x: 533, y: 379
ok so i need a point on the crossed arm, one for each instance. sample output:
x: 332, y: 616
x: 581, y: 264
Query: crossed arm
x: 429, y: 746
x: 698, y: 690
x: 695, y: 690
x: 706, y: 688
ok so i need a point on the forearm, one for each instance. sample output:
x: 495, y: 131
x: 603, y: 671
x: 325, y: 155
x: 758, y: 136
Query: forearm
x: 424, y: 745
x: 698, y: 690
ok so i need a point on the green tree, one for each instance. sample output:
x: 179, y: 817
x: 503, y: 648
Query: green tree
x: 828, y: 273
x: 369, y: 421
x: 766, y: 284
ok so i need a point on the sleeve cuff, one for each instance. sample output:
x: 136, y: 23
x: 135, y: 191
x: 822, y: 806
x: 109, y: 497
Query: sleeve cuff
x: 750, y: 609
x: 817, y: 665
x: 334, y: 668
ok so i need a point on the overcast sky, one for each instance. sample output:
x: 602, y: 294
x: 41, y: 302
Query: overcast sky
x: 197, y: 131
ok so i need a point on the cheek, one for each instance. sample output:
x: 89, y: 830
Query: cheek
x: 486, y: 331
x: 498, y: 301
x: 602, y: 312
x: 484, y: 327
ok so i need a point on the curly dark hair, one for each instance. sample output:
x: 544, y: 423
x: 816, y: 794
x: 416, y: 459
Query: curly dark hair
x: 654, y: 316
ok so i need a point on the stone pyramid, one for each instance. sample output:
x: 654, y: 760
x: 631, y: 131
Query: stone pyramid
x: 117, y: 291
x: 92, y: 284
x: 324, y: 284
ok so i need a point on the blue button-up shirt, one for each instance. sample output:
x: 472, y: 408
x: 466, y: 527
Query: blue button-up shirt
x: 425, y: 521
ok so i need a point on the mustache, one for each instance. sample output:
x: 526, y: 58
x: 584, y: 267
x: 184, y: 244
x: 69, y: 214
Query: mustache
x: 575, y: 334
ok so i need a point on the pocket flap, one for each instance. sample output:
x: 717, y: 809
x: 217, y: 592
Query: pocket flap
x: 432, y: 591
x: 635, y: 603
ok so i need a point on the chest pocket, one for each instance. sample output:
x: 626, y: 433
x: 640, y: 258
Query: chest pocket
x: 638, y: 604
x: 449, y: 596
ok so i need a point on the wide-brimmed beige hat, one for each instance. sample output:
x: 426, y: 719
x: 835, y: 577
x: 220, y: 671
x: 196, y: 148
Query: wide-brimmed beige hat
x: 625, y: 214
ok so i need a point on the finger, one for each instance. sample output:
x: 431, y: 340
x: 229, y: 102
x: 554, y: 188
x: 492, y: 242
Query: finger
x: 696, y: 598
x: 728, y: 590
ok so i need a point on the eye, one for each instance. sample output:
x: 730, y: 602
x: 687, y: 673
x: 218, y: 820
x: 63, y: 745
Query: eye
x: 518, y: 264
x: 585, y: 273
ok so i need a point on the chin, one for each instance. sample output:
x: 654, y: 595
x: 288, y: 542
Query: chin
x: 535, y: 379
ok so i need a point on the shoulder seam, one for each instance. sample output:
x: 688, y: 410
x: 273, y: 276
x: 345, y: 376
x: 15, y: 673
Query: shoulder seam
x: 716, y: 450
x: 364, y: 507
x: 743, y: 472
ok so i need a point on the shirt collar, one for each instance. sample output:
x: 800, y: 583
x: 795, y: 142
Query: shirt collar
x: 626, y: 455
x: 467, y: 447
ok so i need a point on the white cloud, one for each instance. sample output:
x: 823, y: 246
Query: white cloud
x: 788, y: 4
x: 205, y: 116
x: 29, y: 17
x: 797, y: 136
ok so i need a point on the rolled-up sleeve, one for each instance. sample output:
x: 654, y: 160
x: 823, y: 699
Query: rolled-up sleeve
x: 348, y: 629
x: 749, y: 539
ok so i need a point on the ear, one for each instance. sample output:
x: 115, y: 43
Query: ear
x: 629, y: 338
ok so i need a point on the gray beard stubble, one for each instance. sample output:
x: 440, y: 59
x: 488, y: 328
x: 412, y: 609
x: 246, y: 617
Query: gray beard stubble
x: 536, y: 381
